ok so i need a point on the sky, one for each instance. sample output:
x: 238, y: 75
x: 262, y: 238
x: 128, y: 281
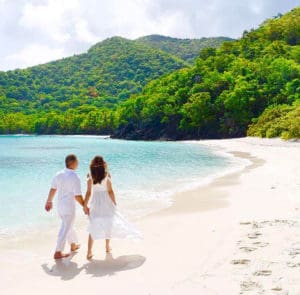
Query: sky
x: 38, y: 31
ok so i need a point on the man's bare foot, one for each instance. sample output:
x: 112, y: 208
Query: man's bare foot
x: 60, y: 255
x: 89, y: 256
x: 74, y: 247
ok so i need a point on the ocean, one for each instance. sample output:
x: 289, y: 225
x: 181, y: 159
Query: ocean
x: 145, y: 174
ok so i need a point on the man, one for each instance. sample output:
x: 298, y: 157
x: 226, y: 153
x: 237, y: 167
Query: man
x: 67, y: 184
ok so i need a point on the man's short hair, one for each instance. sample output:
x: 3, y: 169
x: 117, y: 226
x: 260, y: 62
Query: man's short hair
x: 70, y: 159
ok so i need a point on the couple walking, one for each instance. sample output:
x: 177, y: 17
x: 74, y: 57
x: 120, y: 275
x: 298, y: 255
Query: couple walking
x: 105, y: 221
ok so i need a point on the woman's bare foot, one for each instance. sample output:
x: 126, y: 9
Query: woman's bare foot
x: 89, y: 256
x: 60, y: 255
x: 74, y: 247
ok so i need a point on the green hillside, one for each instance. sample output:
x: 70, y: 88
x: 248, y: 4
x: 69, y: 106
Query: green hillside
x: 186, y: 49
x: 225, y: 90
x: 108, y: 73
x: 77, y: 94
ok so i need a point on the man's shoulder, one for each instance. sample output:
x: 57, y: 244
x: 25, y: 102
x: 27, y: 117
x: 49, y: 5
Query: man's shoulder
x: 60, y: 172
x: 75, y: 175
x: 69, y: 174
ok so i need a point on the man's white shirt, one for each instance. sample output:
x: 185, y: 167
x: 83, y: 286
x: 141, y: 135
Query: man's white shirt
x: 67, y: 184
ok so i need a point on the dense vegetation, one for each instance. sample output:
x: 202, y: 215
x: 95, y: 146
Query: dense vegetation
x: 225, y: 90
x: 108, y: 73
x: 136, y: 91
x: 76, y: 94
x: 186, y: 49
x: 279, y: 121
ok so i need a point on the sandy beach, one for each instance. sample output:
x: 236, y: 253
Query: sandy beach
x: 239, y: 234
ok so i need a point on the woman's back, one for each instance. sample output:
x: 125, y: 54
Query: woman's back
x: 101, y: 204
x: 100, y: 186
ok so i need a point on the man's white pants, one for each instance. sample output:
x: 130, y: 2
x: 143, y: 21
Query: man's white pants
x: 66, y: 232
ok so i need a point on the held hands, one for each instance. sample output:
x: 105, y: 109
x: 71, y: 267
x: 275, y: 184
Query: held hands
x: 48, y: 206
x: 86, y: 210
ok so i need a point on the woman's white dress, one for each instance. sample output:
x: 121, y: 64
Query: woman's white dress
x: 106, y: 222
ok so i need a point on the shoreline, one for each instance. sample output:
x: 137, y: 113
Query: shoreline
x: 210, y: 191
x: 168, y: 201
x: 237, y: 234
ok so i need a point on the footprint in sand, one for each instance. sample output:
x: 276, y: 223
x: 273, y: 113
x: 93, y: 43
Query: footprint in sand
x: 261, y: 244
x: 294, y: 252
x: 276, y: 289
x: 293, y: 264
x: 254, y: 235
x: 264, y: 272
x: 257, y: 224
x: 274, y: 222
x: 249, y: 285
x: 240, y: 261
x: 245, y: 222
x: 248, y: 249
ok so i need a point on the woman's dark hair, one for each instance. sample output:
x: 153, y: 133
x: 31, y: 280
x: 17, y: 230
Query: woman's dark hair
x: 97, y: 168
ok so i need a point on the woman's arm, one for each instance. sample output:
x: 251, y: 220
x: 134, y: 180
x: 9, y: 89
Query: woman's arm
x: 77, y: 191
x: 106, y: 169
x: 79, y: 199
x: 111, y: 192
x: 87, y: 196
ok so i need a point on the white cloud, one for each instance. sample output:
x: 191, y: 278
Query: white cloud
x: 82, y: 32
x: 34, y: 54
x: 257, y: 7
x: 54, y: 28
x: 48, y: 17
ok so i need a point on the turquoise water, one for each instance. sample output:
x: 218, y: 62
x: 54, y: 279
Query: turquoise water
x: 145, y: 174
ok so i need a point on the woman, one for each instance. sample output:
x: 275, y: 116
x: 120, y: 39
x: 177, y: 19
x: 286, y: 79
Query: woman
x: 105, y: 220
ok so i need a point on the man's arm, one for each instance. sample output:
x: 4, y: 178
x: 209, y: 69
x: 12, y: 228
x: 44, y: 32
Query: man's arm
x: 87, y: 196
x: 111, y: 192
x: 49, y: 202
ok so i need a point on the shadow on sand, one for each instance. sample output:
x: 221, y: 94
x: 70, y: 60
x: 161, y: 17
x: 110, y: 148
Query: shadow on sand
x: 66, y: 269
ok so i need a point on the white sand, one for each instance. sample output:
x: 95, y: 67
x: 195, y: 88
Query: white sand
x: 238, y: 235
